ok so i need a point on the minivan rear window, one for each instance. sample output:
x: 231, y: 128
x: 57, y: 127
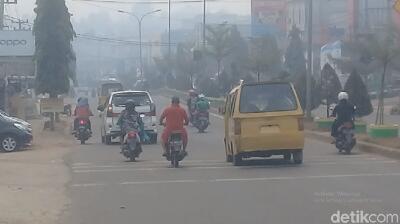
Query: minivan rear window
x: 141, y: 99
x: 267, y: 98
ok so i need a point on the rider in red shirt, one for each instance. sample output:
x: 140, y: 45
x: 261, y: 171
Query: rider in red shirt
x: 176, y: 118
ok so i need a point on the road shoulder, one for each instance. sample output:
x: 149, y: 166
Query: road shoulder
x: 33, y: 181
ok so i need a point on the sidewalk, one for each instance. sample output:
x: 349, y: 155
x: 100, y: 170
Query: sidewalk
x: 361, y: 145
x: 32, y: 181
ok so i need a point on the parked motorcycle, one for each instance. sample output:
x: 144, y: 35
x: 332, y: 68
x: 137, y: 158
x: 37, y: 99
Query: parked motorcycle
x: 83, y: 132
x: 175, y: 152
x: 202, y: 121
x: 345, y: 140
x: 131, y: 146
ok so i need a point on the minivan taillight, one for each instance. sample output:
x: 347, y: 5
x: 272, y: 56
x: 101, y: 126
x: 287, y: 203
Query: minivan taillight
x: 237, y: 127
x: 300, y: 122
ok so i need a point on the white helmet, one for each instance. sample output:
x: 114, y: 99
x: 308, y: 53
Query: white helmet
x: 201, y: 96
x: 343, y: 96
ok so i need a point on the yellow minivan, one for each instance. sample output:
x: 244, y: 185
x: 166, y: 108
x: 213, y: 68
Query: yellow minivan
x: 263, y: 119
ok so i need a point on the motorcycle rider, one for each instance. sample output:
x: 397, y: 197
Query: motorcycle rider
x: 176, y: 118
x: 344, y: 112
x: 82, y: 111
x: 191, y: 102
x: 202, y: 106
x: 130, y: 120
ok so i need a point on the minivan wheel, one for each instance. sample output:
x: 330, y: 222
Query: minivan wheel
x: 9, y: 143
x: 298, y: 157
x: 237, y: 160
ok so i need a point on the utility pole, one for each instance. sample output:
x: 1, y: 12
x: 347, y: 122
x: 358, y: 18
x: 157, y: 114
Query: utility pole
x: 2, y: 4
x: 169, y: 44
x: 309, y: 59
x: 204, y: 25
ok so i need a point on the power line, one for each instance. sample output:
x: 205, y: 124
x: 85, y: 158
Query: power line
x: 159, y: 2
x: 120, y: 41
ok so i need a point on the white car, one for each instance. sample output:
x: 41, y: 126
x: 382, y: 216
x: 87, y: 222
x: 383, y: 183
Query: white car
x: 115, y: 104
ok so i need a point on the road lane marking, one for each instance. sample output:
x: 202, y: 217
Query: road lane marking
x: 159, y: 182
x: 309, y: 177
x: 133, y: 169
x: 226, y: 180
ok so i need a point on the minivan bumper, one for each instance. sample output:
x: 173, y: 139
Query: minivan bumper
x: 274, y: 144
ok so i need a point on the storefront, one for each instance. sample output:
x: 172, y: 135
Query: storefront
x: 16, y: 63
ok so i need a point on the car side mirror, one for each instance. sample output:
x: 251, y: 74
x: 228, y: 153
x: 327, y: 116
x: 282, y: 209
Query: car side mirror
x: 100, y: 108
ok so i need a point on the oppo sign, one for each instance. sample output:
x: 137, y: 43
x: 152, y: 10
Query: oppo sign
x: 13, y: 42
x: 16, y: 43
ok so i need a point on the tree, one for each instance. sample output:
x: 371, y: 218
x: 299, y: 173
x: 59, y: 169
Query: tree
x: 238, y: 59
x: 384, y: 49
x: 265, y: 56
x: 295, y: 61
x: 219, y: 44
x: 54, y: 54
x: 186, y: 66
x: 300, y: 85
x: 358, y: 94
x: 330, y: 86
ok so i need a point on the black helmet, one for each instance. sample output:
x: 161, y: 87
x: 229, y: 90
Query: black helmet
x: 175, y: 100
x: 130, y: 105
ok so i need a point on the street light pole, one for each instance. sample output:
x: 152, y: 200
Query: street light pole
x: 309, y: 60
x: 139, y: 20
x: 204, y: 25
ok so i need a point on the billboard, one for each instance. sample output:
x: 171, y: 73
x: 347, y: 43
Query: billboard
x: 268, y: 17
x: 16, y: 43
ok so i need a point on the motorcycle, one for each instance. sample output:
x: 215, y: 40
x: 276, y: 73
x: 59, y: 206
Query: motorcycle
x: 175, y: 152
x: 131, y: 146
x: 83, y: 132
x: 202, y: 121
x: 345, y: 140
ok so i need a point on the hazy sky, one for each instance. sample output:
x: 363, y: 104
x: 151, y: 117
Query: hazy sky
x: 80, y: 10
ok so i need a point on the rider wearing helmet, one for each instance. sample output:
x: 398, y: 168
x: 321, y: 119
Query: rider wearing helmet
x: 130, y: 119
x: 344, y: 112
x: 176, y: 118
x: 202, y: 105
x: 191, y: 102
x: 82, y: 111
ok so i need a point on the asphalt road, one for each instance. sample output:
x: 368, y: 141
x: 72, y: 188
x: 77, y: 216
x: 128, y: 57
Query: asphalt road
x: 106, y: 189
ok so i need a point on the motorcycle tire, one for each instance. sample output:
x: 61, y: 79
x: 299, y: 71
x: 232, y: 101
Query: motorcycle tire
x: 82, y: 142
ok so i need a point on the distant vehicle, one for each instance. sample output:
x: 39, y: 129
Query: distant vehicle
x: 15, y: 119
x: 261, y: 120
x: 115, y: 104
x: 13, y: 135
x: 106, y: 87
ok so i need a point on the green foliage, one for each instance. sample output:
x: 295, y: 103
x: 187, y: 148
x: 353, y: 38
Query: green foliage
x: 330, y: 84
x: 295, y: 61
x: 358, y: 94
x: 265, y: 56
x: 219, y: 44
x: 300, y: 86
x: 54, y: 55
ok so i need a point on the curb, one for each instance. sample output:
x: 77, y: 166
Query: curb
x: 362, y: 146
